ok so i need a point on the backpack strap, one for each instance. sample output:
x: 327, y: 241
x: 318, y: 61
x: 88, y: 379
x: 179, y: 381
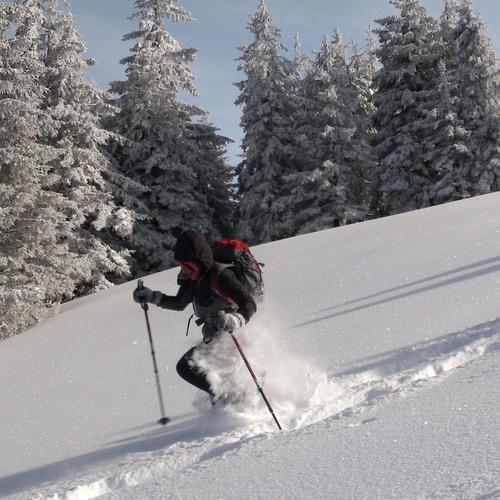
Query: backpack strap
x: 214, y: 283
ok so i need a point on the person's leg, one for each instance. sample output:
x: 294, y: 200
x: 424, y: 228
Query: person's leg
x: 191, y: 373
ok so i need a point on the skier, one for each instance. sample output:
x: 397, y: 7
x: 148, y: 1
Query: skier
x: 219, y: 300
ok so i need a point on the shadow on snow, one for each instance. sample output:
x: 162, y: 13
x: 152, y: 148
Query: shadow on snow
x: 493, y: 266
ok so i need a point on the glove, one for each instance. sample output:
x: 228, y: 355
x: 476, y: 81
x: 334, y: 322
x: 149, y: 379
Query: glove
x: 144, y: 294
x: 221, y: 322
x: 233, y: 321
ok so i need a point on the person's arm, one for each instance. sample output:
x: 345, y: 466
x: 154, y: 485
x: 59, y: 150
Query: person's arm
x: 231, y: 286
x: 178, y: 302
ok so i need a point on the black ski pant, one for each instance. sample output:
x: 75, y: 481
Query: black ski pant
x: 191, y: 373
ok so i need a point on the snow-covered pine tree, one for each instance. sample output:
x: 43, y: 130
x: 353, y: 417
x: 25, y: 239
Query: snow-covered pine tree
x: 298, y: 150
x: 83, y: 172
x: 342, y: 153
x: 266, y: 126
x: 447, y: 25
x: 216, y: 176
x: 36, y: 266
x: 159, y: 152
x: 359, y: 103
x: 300, y: 63
x: 328, y: 190
x: 446, y: 151
x: 310, y: 184
x: 405, y: 85
x: 474, y: 75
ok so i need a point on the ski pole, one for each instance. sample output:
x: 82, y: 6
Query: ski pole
x: 164, y: 419
x: 255, y: 379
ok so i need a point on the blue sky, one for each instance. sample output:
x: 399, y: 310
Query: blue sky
x: 220, y: 27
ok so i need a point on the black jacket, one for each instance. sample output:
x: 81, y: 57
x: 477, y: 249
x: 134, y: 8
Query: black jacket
x: 230, y: 296
x: 217, y: 289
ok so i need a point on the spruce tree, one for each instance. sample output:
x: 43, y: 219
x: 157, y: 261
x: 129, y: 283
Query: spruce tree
x: 338, y: 170
x: 474, y: 74
x: 332, y: 129
x: 298, y: 150
x: 37, y: 269
x: 447, y: 25
x: 159, y: 153
x: 360, y: 102
x: 405, y: 85
x: 215, y: 175
x: 446, y: 149
x: 266, y: 126
x: 82, y: 171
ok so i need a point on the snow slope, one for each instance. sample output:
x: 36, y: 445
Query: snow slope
x: 378, y: 345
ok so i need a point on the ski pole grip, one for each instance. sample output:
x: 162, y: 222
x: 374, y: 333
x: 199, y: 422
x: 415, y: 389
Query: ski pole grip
x: 140, y: 286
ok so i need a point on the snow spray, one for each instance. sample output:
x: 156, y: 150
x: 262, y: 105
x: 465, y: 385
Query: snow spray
x: 293, y: 384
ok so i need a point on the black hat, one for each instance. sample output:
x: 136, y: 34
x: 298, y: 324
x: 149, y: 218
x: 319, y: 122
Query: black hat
x: 193, y: 246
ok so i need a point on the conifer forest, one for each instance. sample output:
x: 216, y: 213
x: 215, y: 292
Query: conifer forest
x: 94, y: 181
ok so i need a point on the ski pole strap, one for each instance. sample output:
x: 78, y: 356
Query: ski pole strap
x: 140, y: 286
x: 189, y: 324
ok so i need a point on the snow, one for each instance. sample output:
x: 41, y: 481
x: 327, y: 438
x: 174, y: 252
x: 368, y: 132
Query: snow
x: 378, y: 345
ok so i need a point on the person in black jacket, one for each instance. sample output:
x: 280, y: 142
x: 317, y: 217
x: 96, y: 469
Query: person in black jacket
x: 219, y: 299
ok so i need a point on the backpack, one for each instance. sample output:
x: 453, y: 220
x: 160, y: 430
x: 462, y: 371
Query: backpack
x: 242, y: 263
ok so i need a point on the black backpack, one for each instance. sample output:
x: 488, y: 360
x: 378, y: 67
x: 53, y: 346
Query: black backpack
x: 244, y: 265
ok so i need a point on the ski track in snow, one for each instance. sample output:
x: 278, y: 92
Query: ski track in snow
x: 338, y: 400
